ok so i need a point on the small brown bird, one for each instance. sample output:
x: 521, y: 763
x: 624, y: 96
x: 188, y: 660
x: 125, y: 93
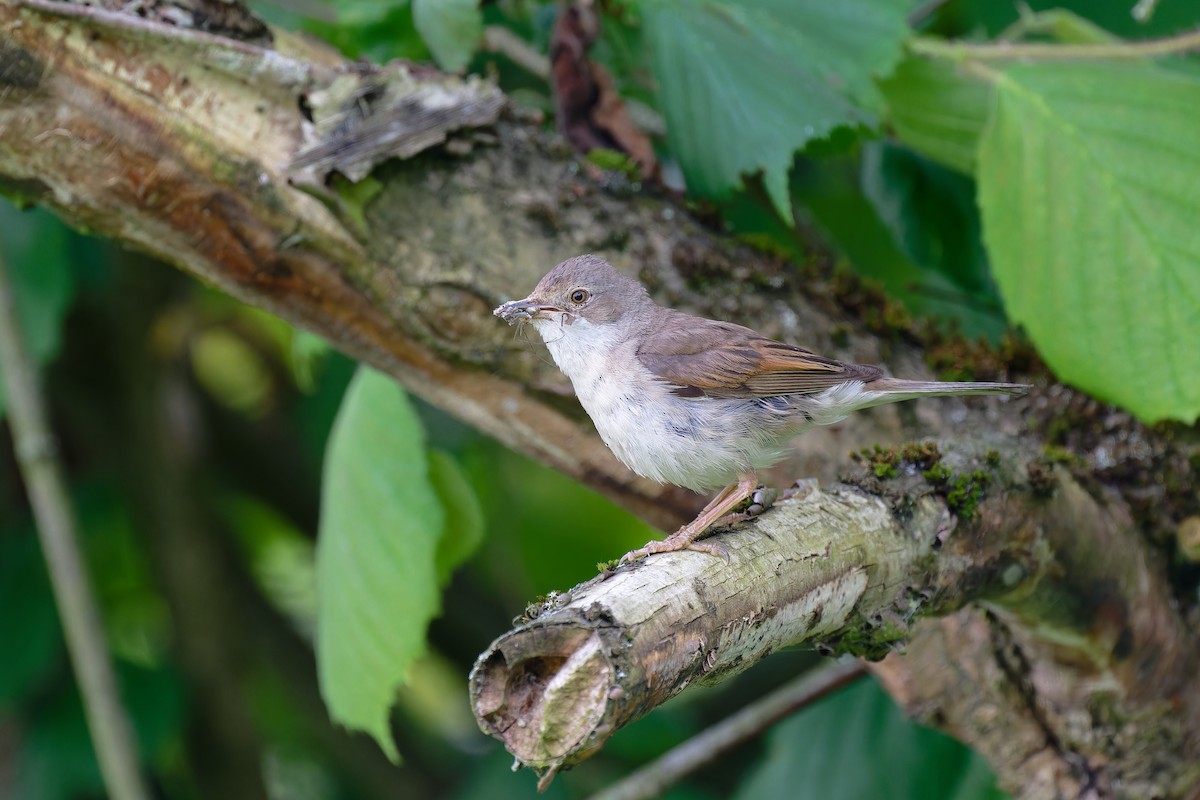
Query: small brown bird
x: 690, y: 401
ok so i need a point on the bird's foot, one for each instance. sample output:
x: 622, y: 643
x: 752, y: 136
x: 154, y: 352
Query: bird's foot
x: 729, y: 498
x: 763, y: 498
x: 753, y: 506
x: 682, y: 539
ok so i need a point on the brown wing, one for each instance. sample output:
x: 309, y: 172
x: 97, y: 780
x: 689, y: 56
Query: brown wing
x: 704, y: 358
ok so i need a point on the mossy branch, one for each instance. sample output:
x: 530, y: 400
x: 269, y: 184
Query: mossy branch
x: 851, y: 570
x: 182, y: 144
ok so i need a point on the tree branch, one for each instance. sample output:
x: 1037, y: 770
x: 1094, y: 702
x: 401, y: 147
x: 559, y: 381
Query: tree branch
x: 844, y: 570
x: 185, y: 147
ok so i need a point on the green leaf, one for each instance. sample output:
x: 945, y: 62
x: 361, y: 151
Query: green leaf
x: 464, y: 517
x: 744, y: 85
x: 451, y: 29
x: 1087, y: 182
x: 932, y: 214
x: 377, y: 579
x: 938, y: 110
x: 857, y: 744
x: 832, y: 199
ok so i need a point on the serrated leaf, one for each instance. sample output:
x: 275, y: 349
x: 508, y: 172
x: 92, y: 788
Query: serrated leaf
x: 938, y: 110
x: 1087, y: 182
x: 463, y: 529
x: 451, y: 29
x: 745, y: 85
x: 858, y: 744
x: 377, y: 579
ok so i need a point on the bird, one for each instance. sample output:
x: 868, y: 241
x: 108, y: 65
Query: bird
x: 695, y: 402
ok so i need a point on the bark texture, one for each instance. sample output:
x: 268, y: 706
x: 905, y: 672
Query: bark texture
x: 1069, y: 670
x: 1052, y: 666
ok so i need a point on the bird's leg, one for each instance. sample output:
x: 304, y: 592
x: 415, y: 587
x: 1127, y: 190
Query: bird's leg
x: 685, y: 538
x: 756, y: 503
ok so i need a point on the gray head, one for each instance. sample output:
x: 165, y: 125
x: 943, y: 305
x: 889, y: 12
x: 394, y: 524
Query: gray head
x: 585, y: 286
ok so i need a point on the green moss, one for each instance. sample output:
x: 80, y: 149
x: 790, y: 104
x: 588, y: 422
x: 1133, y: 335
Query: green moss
x: 884, y: 461
x: 543, y: 604
x: 873, y: 644
x: 608, y: 566
x: 881, y: 461
x: 1053, y: 454
x: 939, y: 473
x: 923, y: 454
x: 992, y: 458
x: 883, y: 470
x: 965, y: 492
x: 616, y: 161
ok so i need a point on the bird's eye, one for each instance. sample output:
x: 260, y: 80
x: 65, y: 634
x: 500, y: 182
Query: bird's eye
x: 579, y: 296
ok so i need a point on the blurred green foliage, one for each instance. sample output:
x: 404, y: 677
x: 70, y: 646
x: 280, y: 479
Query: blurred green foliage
x: 42, y: 281
x: 875, y: 752
x: 791, y: 119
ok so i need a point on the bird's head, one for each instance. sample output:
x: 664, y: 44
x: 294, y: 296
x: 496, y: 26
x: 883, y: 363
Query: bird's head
x: 586, y: 288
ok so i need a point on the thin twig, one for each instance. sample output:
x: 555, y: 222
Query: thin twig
x: 498, y: 39
x: 1056, y: 24
x: 652, y: 780
x: 1037, y: 51
x: 40, y: 467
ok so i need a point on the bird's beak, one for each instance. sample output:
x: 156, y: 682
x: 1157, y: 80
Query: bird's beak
x: 516, y: 311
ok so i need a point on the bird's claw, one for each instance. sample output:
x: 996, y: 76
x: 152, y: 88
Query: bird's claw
x: 673, y: 545
x: 763, y: 498
x: 755, y: 505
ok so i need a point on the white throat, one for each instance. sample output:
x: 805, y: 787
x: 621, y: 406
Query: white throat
x: 579, y: 348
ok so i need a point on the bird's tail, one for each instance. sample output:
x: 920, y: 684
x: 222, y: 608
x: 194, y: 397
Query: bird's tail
x: 894, y: 390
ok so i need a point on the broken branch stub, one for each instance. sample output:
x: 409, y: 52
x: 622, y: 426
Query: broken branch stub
x: 832, y: 569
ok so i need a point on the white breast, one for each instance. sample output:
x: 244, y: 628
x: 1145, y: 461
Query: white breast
x: 701, y: 443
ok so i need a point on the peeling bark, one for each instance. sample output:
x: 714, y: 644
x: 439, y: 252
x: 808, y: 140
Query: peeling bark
x: 1073, y: 680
